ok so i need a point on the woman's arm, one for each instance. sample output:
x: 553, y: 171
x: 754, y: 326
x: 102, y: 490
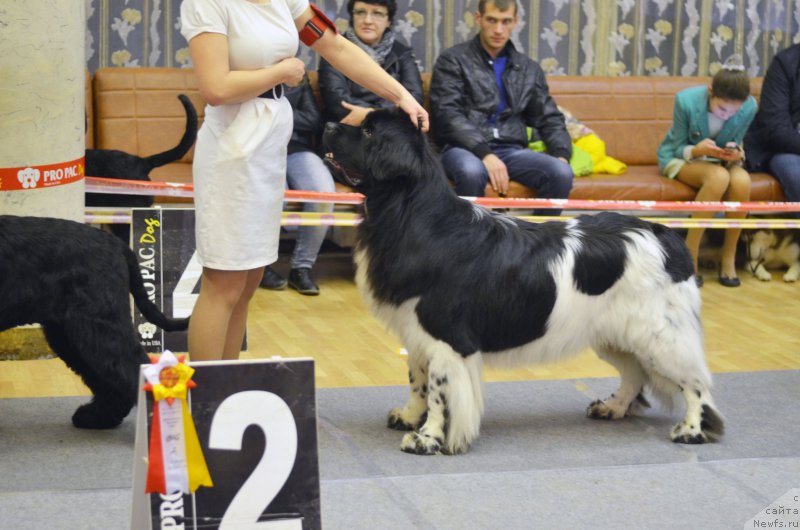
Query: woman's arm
x: 220, y: 85
x: 358, y: 66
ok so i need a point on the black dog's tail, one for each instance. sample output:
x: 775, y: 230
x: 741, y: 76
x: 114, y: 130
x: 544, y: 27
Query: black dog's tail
x: 148, y: 308
x: 186, y: 142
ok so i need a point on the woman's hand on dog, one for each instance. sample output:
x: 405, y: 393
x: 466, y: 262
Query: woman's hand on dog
x: 356, y: 115
x: 417, y: 113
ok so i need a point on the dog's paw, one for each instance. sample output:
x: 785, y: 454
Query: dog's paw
x: 399, y: 420
x: 761, y: 273
x: 94, y: 416
x: 606, y: 410
x: 683, y: 433
x: 418, y: 443
x: 791, y: 276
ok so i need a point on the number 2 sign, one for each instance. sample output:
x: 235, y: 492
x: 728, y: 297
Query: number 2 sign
x: 256, y: 422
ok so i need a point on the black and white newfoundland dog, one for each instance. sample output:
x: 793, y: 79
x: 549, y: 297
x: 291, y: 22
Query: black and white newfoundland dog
x: 75, y: 281
x: 461, y: 285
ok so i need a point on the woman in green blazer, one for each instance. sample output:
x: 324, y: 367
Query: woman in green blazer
x: 703, y: 149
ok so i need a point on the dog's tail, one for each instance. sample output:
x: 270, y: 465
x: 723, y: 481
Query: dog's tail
x: 189, y: 135
x: 140, y: 298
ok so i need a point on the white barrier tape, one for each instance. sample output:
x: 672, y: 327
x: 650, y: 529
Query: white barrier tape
x: 134, y: 187
x: 352, y: 219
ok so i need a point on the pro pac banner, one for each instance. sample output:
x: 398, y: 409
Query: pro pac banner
x: 38, y: 177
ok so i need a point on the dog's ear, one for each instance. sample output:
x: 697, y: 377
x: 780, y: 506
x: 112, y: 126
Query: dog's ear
x: 395, y: 147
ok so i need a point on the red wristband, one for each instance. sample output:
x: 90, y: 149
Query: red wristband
x: 316, y: 26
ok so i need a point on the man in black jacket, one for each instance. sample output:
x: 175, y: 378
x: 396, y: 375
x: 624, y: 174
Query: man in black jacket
x: 483, y: 95
x: 305, y: 170
x: 772, y: 142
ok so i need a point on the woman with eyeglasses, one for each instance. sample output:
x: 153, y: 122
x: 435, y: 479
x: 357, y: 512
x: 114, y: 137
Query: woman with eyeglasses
x: 370, y: 29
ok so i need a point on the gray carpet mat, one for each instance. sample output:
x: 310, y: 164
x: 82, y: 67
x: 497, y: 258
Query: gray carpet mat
x: 539, y: 463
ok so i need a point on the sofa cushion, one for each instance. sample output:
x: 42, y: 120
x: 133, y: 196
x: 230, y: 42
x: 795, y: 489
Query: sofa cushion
x: 643, y: 183
x: 138, y: 111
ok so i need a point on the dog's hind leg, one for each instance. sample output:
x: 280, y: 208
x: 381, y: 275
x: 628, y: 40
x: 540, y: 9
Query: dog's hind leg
x: 411, y: 416
x: 629, y: 395
x: 702, y: 420
x: 680, y: 369
x: 107, y: 361
x: 454, y: 404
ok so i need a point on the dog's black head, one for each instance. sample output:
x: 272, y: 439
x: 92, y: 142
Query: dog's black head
x: 385, y: 148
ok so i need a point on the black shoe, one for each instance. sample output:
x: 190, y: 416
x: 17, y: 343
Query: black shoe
x: 729, y: 282
x: 698, y: 280
x: 301, y: 281
x: 272, y: 280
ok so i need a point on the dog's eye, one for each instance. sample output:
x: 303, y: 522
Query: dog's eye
x: 367, y: 132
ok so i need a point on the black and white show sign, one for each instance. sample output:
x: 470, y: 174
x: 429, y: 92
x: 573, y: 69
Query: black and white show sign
x: 256, y: 423
x: 163, y: 241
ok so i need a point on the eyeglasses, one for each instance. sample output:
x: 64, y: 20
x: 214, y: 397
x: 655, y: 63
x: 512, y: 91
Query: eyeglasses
x: 377, y: 15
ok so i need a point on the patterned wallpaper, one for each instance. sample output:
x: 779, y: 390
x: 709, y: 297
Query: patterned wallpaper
x: 575, y: 37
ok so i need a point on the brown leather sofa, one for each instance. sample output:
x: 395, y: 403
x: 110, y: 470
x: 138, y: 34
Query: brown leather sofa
x: 136, y: 110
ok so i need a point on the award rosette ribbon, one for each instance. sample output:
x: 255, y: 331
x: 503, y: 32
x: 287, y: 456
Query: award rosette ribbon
x: 175, y: 460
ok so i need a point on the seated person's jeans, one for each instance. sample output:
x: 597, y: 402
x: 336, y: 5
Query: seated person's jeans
x: 785, y: 167
x: 549, y: 176
x: 306, y: 171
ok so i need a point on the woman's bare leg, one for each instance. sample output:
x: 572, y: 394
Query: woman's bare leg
x: 220, y: 293
x: 739, y: 190
x: 711, y: 182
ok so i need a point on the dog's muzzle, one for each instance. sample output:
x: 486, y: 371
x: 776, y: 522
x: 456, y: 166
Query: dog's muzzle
x: 352, y: 178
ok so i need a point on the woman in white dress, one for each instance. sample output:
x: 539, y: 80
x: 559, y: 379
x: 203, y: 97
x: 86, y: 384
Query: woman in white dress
x: 243, y: 51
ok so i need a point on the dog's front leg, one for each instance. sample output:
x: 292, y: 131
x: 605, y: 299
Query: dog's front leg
x: 455, y: 404
x: 430, y: 437
x: 759, y: 271
x: 413, y: 414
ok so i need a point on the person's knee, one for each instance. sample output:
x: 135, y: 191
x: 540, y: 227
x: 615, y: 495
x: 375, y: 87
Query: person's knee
x: 225, y: 288
x: 740, y: 185
x: 717, y: 180
x: 466, y: 171
x: 563, y: 178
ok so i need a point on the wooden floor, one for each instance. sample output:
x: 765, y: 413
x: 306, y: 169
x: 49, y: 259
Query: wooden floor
x: 755, y: 327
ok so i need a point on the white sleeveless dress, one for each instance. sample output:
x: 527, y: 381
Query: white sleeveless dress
x: 239, y: 167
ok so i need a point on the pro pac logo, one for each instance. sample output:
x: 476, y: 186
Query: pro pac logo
x: 33, y: 177
x: 28, y: 177
x: 147, y: 330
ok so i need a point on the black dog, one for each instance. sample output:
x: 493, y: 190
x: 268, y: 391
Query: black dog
x: 74, y: 280
x: 461, y: 285
x: 112, y: 163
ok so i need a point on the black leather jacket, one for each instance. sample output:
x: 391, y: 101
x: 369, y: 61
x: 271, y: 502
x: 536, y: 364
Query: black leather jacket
x: 464, y: 97
x: 400, y: 63
x: 777, y: 122
x: 307, y: 117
